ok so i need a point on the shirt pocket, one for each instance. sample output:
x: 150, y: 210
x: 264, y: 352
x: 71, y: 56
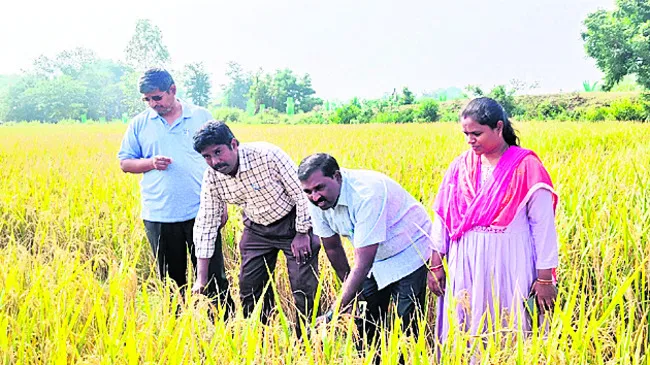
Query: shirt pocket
x: 344, y: 227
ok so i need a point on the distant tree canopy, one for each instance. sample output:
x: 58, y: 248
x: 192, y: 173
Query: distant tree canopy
x: 73, y: 83
x: 197, y: 83
x: 76, y: 84
x: 270, y: 90
x: 146, y: 48
x: 619, y: 41
x: 236, y: 91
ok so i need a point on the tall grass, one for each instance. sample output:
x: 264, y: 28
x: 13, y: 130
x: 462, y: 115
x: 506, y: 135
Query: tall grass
x: 76, y: 281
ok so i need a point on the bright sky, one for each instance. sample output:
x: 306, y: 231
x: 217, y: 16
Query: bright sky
x: 350, y: 48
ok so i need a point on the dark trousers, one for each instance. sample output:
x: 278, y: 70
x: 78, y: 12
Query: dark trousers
x: 170, y: 243
x: 259, y: 246
x: 407, y: 294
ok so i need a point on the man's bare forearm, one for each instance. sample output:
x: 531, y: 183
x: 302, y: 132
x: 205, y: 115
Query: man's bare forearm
x: 137, y: 166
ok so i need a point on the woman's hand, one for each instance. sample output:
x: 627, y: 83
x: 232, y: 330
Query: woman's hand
x: 436, y: 281
x: 436, y: 276
x: 546, y: 293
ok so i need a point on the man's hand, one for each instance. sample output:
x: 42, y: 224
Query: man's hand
x: 224, y: 217
x: 201, y: 275
x: 160, y: 162
x: 199, y: 285
x: 301, y: 247
x: 324, y: 319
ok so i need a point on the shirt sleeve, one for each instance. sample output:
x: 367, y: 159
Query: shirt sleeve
x: 208, y: 219
x: 439, y: 236
x: 130, y: 148
x: 542, y: 224
x: 320, y: 225
x: 288, y: 172
x: 370, y: 219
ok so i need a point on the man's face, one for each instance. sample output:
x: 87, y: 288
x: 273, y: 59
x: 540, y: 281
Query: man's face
x: 322, y: 191
x: 161, y: 101
x: 223, y: 158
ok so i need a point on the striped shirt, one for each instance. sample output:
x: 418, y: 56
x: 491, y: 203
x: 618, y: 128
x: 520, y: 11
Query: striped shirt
x: 266, y: 186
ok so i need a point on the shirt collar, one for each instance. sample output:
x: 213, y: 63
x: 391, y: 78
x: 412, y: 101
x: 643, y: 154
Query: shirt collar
x: 186, y: 112
x: 244, y: 159
x: 343, y: 194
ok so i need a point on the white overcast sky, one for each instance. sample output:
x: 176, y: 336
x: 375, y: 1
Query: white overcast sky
x: 350, y: 48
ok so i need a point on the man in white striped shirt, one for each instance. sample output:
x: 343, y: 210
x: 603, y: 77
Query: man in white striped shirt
x: 263, y: 180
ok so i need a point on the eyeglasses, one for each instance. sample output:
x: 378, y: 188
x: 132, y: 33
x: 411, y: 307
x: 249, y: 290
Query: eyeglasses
x: 154, y: 98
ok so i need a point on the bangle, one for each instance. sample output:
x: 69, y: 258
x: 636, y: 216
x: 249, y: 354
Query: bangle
x: 544, y: 282
x: 436, y: 268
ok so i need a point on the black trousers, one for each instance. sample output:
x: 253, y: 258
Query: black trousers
x: 170, y: 243
x: 407, y: 294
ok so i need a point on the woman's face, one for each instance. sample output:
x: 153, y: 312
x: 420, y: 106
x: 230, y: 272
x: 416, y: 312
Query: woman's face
x: 482, y: 138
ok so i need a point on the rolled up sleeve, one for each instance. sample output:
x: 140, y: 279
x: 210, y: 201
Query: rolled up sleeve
x: 206, y: 225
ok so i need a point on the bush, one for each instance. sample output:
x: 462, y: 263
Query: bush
x: 550, y: 110
x: 577, y: 114
x: 312, y: 118
x: 597, y: 114
x: 270, y: 116
x: 645, y: 104
x: 385, y: 117
x: 228, y: 115
x: 346, y: 114
x: 428, y: 110
x: 450, y: 112
x: 406, y: 116
x: 625, y: 109
x: 506, y: 98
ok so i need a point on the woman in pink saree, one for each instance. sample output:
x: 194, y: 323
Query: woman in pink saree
x: 495, y: 223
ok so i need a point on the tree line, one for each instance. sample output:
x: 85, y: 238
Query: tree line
x: 76, y: 84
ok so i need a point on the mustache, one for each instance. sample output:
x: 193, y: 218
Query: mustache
x: 317, y: 201
x: 218, y: 166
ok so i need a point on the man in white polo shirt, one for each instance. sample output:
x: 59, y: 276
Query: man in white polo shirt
x: 388, y: 228
x: 158, y: 144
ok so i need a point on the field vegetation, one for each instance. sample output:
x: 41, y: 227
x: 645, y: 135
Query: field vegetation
x: 76, y: 280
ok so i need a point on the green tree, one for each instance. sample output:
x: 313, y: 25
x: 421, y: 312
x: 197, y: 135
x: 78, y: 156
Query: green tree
x: 131, y: 98
x: 505, y: 97
x: 72, y: 72
x: 407, y: 97
x: 47, y: 100
x: 273, y: 90
x: 146, y: 48
x: 500, y: 93
x: 306, y: 101
x: 102, y: 79
x: 260, y: 89
x: 197, y: 83
x: 619, y: 41
x: 72, y: 62
x: 237, y: 90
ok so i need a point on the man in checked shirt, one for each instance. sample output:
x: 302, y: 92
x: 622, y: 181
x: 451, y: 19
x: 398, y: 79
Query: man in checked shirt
x: 263, y: 180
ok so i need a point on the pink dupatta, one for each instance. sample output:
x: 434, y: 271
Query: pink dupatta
x: 462, y: 205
